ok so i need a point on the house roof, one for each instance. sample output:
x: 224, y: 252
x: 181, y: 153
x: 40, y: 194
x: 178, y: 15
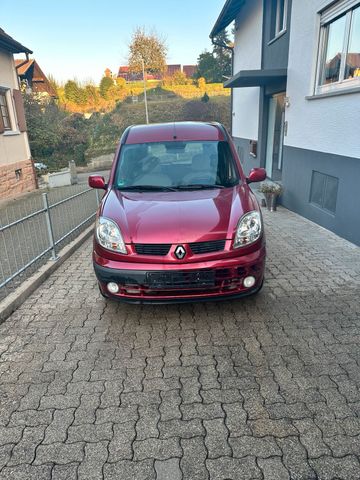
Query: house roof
x: 10, y: 44
x: 22, y: 66
x: 227, y: 15
x: 256, y: 78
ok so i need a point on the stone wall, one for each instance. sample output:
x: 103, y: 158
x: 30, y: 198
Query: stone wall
x: 18, y: 177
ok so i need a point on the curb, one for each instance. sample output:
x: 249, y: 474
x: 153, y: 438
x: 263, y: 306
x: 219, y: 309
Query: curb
x: 18, y: 296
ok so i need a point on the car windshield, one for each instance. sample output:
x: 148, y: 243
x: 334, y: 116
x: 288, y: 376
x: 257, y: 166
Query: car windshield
x: 167, y: 166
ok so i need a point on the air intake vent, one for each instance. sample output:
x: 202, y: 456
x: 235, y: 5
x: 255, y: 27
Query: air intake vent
x: 161, y: 249
x: 207, y: 247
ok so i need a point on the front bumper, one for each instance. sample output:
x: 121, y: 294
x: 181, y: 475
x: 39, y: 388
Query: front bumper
x: 178, y: 283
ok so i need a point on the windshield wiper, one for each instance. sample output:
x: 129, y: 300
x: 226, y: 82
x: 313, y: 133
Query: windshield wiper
x: 198, y: 186
x: 146, y: 188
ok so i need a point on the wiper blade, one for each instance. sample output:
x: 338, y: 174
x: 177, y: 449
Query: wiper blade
x: 199, y: 186
x: 146, y: 188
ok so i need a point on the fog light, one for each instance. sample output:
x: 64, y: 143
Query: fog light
x: 249, y: 282
x: 113, y: 287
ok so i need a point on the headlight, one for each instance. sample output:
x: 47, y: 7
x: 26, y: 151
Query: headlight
x: 109, y: 236
x: 248, y: 230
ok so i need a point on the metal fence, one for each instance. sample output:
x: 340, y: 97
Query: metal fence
x: 28, y: 242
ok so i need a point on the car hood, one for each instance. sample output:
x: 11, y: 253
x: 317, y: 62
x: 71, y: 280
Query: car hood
x: 178, y: 217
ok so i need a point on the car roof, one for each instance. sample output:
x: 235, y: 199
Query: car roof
x: 175, y: 131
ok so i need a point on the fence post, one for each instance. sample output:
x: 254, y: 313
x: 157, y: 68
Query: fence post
x: 97, y: 197
x: 49, y: 227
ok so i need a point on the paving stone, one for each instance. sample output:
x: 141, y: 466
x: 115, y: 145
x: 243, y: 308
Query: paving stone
x: 57, y: 431
x: 157, y: 449
x: 259, y: 447
x: 346, y: 468
x: 266, y: 387
x: 193, y: 460
x: 181, y: 428
x: 91, y: 468
x: 117, y: 415
x: 89, y: 433
x: 203, y: 411
x: 167, y: 469
x: 30, y: 472
x: 120, y: 447
x: 273, y: 469
x: 24, y: 451
x: 311, y: 438
x: 216, y: 440
x: 60, y: 453
x: 236, y: 420
x: 234, y: 468
x: 295, y: 459
x: 127, y: 469
x: 65, y: 472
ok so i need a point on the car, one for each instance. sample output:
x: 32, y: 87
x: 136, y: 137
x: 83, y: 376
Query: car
x: 40, y: 167
x: 178, y: 222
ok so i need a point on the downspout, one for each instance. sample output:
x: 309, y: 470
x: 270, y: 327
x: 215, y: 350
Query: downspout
x: 231, y: 49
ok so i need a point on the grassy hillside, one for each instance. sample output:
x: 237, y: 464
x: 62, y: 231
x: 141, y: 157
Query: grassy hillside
x: 105, y: 130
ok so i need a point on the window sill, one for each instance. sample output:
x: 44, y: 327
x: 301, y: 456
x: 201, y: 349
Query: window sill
x: 10, y: 133
x: 334, y: 93
x: 279, y: 35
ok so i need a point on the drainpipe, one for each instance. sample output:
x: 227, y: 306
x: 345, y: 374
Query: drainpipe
x: 231, y: 49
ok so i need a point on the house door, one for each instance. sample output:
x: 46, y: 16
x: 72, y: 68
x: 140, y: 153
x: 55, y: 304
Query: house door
x: 275, y: 136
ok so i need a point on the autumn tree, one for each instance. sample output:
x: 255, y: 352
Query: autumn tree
x: 149, y: 47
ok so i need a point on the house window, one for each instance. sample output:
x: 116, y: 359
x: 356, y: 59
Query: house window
x: 339, y: 56
x: 279, y: 17
x: 4, y: 110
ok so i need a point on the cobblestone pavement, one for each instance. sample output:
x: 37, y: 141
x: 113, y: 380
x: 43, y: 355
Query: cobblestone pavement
x: 263, y: 388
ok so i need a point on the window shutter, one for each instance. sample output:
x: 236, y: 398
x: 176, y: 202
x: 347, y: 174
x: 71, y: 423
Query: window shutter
x: 20, y: 112
x: 337, y: 9
x: 2, y: 128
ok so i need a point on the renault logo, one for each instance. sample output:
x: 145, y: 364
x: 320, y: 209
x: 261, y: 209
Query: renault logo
x: 180, y: 252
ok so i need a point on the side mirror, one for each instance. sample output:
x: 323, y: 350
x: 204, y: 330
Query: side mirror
x: 96, y: 181
x: 256, y: 175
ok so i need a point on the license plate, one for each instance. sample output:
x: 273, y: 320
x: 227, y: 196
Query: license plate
x: 174, y: 280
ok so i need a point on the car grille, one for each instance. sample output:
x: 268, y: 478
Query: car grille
x: 207, y: 247
x: 160, y: 249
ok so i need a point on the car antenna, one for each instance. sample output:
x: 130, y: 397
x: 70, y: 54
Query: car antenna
x: 174, y: 136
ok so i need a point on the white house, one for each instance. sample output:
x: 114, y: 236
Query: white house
x: 296, y: 102
x: 16, y: 168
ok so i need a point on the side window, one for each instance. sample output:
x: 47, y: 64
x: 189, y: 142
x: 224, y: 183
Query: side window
x: 339, y: 54
x: 278, y: 17
x: 5, y: 122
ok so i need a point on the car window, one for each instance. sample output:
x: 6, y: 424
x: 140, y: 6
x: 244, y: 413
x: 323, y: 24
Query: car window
x: 176, y: 164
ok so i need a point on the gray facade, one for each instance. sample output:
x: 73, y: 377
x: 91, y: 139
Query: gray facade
x: 303, y: 196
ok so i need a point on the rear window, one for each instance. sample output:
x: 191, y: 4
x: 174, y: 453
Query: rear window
x: 173, y: 164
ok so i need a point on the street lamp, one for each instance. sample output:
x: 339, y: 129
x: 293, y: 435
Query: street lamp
x: 145, y: 97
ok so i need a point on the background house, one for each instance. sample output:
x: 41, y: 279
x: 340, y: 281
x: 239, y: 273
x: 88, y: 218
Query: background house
x: 16, y: 168
x: 296, y: 92
x: 34, y: 79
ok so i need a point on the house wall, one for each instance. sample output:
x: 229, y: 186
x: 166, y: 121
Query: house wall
x: 324, y: 123
x: 247, y: 56
x: 14, y: 145
x: 323, y: 134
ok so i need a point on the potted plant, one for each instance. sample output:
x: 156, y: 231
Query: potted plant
x: 271, y: 192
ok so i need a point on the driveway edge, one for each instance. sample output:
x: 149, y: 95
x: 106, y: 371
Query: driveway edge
x: 18, y: 296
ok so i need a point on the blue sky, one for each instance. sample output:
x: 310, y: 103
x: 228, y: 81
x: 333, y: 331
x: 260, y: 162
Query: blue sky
x: 80, y: 38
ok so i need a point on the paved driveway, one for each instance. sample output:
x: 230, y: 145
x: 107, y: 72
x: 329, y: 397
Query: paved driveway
x: 265, y: 388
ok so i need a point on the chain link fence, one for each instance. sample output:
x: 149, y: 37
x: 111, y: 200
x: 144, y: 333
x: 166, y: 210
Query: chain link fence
x: 28, y: 242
